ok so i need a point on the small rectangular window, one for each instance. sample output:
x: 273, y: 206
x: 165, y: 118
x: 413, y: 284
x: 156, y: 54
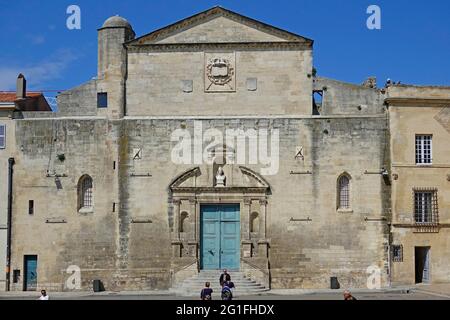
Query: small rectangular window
x: 16, y: 276
x: 397, y: 253
x: 2, y: 136
x: 102, y: 100
x: 31, y: 207
x: 424, y: 149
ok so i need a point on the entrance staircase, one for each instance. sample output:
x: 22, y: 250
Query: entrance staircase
x: 193, y: 286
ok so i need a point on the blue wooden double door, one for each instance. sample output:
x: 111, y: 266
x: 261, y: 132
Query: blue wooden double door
x: 220, y: 236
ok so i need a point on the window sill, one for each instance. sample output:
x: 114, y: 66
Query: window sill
x: 86, y: 210
x: 345, y: 210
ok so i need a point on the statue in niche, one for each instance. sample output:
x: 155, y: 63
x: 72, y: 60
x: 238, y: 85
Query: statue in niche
x: 220, y: 178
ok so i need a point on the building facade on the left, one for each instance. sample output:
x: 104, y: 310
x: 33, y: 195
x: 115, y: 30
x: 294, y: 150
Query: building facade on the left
x: 11, y: 102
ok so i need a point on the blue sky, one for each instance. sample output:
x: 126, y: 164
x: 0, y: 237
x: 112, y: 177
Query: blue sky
x: 413, y: 45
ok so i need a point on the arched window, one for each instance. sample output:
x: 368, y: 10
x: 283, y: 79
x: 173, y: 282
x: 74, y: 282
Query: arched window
x: 344, y: 192
x: 85, y: 197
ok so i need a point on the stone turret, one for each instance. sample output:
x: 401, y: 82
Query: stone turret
x: 112, y: 64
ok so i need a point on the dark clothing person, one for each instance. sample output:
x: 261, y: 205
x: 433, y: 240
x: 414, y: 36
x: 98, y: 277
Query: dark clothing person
x: 348, y: 296
x: 226, y: 293
x: 224, y: 277
x: 206, y: 294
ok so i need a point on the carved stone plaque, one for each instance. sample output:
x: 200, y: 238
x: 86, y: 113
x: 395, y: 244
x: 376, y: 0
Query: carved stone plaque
x: 443, y: 118
x: 220, y: 72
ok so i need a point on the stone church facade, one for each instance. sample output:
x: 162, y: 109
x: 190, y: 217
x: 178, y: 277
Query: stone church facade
x: 112, y: 197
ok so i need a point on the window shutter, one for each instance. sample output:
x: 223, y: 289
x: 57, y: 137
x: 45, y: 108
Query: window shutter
x: 2, y: 136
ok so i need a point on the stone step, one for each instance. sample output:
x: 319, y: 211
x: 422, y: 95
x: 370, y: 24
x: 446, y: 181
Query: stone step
x: 218, y: 289
x: 195, y: 291
x: 214, y: 285
x: 193, y: 286
x: 214, y: 282
x: 216, y: 294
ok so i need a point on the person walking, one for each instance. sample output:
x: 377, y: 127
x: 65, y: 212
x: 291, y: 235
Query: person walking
x: 224, y: 277
x: 206, y: 293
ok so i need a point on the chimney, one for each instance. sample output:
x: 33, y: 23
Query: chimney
x: 21, y: 88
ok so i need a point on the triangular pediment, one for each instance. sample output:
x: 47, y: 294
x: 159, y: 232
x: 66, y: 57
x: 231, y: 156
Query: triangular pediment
x: 237, y: 176
x: 218, y: 25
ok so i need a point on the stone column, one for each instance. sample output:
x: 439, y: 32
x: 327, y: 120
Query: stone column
x: 263, y: 218
x: 247, y: 216
x: 176, y: 219
x: 263, y: 244
x: 176, y: 242
x: 246, y: 242
x: 193, y: 214
x: 193, y: 241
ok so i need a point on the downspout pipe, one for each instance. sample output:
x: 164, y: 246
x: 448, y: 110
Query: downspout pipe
x: 11, y: 163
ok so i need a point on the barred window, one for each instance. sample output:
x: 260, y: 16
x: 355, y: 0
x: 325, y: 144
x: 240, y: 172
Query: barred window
x: 424, y: 149
x: 397, y: 253
x: 85, y: 200
x: 425, y: 206
x: 344, y: 192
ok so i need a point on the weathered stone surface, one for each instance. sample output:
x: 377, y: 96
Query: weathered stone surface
x: 144, y: 231
x: 413, y: 111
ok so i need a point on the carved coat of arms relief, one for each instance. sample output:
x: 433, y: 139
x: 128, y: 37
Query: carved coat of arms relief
x: 220, y: 72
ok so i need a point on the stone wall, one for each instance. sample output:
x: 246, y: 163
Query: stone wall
x: 156, y: 78
x: 79, y: 101
x: 126, y: 254
x: 220, y: 29
x: 346, y: 98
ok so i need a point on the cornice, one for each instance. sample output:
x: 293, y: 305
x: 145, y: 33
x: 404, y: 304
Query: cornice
x: 221, y: 190
x: 408, y: 101
x: 209, y: 14
x: 173, y: 47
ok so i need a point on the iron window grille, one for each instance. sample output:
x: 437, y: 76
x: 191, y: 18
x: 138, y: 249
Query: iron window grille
x: 397, y: 253
x: 426, y: 206
x: 85, y: 193
x: 344, y: 192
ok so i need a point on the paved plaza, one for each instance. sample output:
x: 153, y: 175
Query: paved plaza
x: 434, y: 292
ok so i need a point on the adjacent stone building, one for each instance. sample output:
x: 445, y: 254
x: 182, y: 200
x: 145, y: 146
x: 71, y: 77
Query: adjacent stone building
x: 11, y: 105
x: 420, y: 133
x: 204, y: 145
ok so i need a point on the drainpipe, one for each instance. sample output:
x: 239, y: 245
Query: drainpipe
x: 9, y: 223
